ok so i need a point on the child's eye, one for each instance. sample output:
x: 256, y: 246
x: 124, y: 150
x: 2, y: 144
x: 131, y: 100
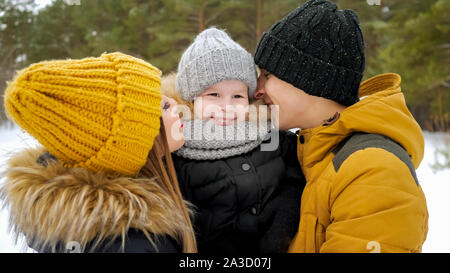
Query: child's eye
x: 213, y: 94
x: 238, y: 97
x: 166, y: 106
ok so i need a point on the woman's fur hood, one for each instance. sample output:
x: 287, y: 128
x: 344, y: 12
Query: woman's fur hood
x: 52, y: 205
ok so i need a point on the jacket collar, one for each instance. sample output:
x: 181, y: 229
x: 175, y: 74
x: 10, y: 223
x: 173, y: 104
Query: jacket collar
x: 383, y: 111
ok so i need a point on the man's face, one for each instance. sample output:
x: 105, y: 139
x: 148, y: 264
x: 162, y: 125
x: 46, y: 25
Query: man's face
x: 290, y: 100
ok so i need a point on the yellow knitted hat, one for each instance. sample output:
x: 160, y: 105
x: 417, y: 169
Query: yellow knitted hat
x: 98, y: 113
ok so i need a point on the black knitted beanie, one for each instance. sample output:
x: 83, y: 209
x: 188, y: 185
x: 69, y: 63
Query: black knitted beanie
x: 317, y: 48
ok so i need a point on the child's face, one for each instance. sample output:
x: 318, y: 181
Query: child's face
x: 224, y: 103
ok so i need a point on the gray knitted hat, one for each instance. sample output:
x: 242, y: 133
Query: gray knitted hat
x: 214, y: 57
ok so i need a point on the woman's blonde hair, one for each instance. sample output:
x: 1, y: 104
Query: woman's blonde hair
x: 160, y: 165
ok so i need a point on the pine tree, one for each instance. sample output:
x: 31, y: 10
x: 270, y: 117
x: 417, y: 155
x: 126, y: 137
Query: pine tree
x: 408, y: 37
x: 16, y: 19
x: 417, y: 46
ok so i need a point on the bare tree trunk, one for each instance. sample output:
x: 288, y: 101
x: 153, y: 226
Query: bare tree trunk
x: 201, y: 17
x: 442, y: 122
x: 258, y: 30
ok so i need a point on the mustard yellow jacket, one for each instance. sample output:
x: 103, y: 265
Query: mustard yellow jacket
x: 369, y: 200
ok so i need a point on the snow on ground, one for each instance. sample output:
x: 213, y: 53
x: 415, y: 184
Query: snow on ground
x: 11, y: 140
x: 436, y: 186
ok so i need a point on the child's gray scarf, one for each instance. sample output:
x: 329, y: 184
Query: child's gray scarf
x: 205, y: 140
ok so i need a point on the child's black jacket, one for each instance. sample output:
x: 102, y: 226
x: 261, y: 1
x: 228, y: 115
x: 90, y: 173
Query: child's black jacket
x: 248, y: 203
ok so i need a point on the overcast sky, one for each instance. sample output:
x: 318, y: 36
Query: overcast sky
x: 42, y: 3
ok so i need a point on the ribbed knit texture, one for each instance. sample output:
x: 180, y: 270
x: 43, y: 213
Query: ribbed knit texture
x: 99, y: 113
x: 213, y: 57
x: 316, y: 48
x: 204, y: 140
